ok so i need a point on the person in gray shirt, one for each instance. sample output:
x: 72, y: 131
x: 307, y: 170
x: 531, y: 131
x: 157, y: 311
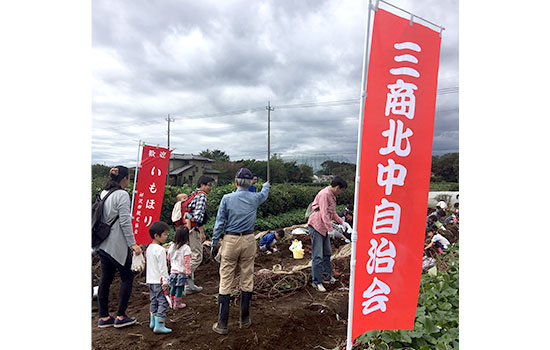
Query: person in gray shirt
x: 115, y: 252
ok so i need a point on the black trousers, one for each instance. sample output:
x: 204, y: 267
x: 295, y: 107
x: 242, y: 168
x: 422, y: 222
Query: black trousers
x: 109, y: 266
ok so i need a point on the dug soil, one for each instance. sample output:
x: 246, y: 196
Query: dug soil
x: 290, y: 315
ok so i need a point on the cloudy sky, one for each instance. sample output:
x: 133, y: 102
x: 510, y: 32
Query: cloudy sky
x: 213, y: 66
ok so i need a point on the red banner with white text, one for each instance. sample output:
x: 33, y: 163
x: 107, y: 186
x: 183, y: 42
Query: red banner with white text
x: 149, y: 191
x: 396, y: 154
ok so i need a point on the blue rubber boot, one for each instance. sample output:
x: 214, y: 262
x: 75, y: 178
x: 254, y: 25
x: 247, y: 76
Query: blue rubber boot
x: 160, y: 326
x: 152, y: 321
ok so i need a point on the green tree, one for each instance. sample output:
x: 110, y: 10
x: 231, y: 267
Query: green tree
x: 257, y: 167
x: 216, y: 155
x: 227, y: 171
x: 277, y: 169
x: 446, y: 167
x: 280, y: 171
x: 292, y: 171
x: 343, y: 169
x: 99, y: 170
x: 306, y: 173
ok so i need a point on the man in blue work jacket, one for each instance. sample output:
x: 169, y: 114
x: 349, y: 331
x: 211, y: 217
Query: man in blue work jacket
x: 236, y: 217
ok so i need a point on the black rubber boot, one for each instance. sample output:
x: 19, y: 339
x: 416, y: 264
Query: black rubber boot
x: 245, y: 309
x: 220, y: 327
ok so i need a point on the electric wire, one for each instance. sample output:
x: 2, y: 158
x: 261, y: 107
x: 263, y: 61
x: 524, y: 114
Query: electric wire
x: 441, y: 91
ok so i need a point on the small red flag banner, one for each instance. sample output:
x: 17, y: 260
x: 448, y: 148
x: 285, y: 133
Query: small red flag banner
x: 396, y: 153
x: 149, y: 191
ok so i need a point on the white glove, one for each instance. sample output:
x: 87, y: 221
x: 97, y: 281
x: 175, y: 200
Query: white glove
x: 138, y: 263
x: 347, y: 227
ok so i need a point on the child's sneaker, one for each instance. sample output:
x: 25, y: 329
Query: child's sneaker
x: 268, y: 252
x: 104, y: 324
x: 332, y: 280
x: 178, y: 305
x: 126, y: 321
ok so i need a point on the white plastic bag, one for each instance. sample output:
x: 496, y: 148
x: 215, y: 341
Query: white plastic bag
x: 299, y: 231
x: 138, y: 263
x: 347, y: 227
x: 296, y: 249
x: 427, y: 263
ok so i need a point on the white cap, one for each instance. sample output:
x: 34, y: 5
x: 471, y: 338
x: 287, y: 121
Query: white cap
x: 442, y: 205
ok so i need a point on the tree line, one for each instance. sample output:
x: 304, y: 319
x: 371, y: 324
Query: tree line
x: 445, y: 168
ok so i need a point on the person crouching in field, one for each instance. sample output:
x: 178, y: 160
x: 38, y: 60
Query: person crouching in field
x: 157, y: 276
x: 179, y: 254
x: 268, y: 243
x: 441, y: 243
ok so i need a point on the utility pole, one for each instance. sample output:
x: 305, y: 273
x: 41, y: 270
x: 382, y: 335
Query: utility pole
x: 269, y: 109
x: 168, y: 120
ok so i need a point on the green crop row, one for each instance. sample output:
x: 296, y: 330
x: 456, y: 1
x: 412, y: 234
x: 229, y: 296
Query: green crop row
x: 284, y: 206
x: 282, y: 198
x: 436, y: 322
x: 443, y: 186
x: 271, y: 222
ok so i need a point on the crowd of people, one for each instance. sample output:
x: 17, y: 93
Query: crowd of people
x: 234, y: 222
x: 437, y: 235
x: 233, y: 246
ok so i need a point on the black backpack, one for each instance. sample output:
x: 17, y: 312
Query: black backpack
x: 100, y: 230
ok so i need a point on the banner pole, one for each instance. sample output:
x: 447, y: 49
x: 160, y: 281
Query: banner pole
x: 441, y: 28
x: 357, y: 171
x: 135, y: 179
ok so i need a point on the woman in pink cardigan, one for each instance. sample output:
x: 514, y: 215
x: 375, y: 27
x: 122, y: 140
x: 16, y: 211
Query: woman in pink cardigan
x: 319, y: 224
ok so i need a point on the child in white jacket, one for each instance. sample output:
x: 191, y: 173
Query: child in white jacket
x: 179, y: 254
x: 157, y: 276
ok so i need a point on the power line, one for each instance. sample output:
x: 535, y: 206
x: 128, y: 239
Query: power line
x: 277, y: 124
x: 336, y: 103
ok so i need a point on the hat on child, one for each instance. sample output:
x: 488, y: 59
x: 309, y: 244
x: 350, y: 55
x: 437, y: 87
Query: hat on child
x: 244, y: 173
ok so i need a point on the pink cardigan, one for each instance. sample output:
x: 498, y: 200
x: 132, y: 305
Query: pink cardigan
x: 325, y: 201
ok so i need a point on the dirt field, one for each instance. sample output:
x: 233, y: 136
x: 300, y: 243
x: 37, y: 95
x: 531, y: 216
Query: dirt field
x: 299, y: 319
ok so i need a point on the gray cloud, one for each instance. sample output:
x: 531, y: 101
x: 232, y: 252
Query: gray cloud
x: 193, y: 60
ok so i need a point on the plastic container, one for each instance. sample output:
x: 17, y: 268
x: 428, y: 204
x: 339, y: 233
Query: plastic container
x: 296, y: 244
x: 296, y: 249
x: 298, y: 253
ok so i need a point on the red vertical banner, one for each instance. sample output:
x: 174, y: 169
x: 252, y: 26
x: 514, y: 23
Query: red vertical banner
x: 149, y: 191
x: 396, y: 153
